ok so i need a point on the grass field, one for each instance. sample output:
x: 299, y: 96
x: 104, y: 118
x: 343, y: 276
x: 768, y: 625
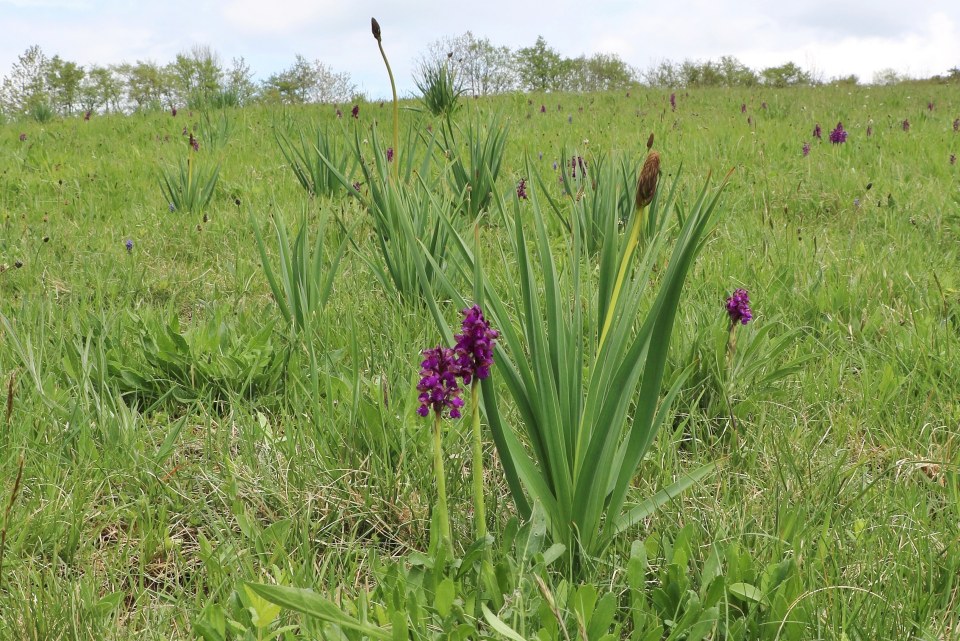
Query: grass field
x: 179, y: 438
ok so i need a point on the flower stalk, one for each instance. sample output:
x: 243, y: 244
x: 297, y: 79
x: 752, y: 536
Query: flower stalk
x: 375, y: 27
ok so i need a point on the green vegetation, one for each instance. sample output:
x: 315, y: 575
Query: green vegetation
x: 213, y: 431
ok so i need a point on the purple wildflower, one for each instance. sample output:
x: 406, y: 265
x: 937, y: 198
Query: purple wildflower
x: 543, y: 109
x: 673, y: 102
x: 738, y: 307
x: 905, y: 124
x: 856, y: 203
x: 763, y: 105
x: 23, y: 137
x: 929, y: 105
x: 184, y: 132
x: 570, y: 119
x: 554, y: 165
x: 87, y: 115
x: 389, y: 154
x: 540, y: 156
x: 172, y: 208
x: 474, y: 348
x: 194, y: 143
x: 173, y: 112
x: 956, y: 124
x: 817, y: 132
x: 355, y: 112
x: 356, y: 186
x: 743, y: 107
x: 522, y: 189
x: 806, y: 149
x: 953, y: 159
x: 582, y: 165
x: 129, y: 245
x: 838, y: 135
x: 438, y: 386
x: 869, y: 130
x: 339, y: 113
x: 750, y: 120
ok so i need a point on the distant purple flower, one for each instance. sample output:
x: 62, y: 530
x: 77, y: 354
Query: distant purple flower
x: 172, y: 208
x: 738, y: 307
x: 673, y: 102
x: 817, y: 132
x: 856, y: 203
x: 763, y: 105
x: 184, y: 132
x: 339, y: 113
x: 953, y: 159
x: 573, y: 167
x: 128, y: 245
x: 806, y: 149
x: 558, y: 107
x: 23, y: 137
x: 869, y: 130
x: 749, y: 120
x: 355, y: 112
x: 543, y: 109
x: 356, y: 186
x: 540, y: 156
x: 743, y: 107
x: 474, y: 348
x: 582, y: 165
x: 87, y: 115
x: 554, y: 165
x: 929, y: 105
x: 522, y: 189
x: 173, y: 112
x: 194, y: 143
x: 956, y: 124
x: 570, y: 119
x: 389, y: 154
x: 905, y: 124
x: 438, y: 386
x: 838, y: 135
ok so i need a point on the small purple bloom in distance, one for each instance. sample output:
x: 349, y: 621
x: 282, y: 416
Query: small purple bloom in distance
x: 582, y: 165
x: 543, y: 109
x: 956, y: 124
x: 906, y: 124
x: 389, y: 154
x: 355, y: 112
x: 869, y: 130
x: 474, y: 348
x: 738, y: 307
x: 749, y: 120
x: 554, y: 165
x: 817, y: 132
x: 172, y: 208
x: 570, y: 119
x: 540, y: 156
x: 173, y: 112
x: 806, y: 149
x: 673, y: 102
x: 763, y: 105
x: 953, y: 159
x: 356, y: 186
x: 930, y: 105
x: 128, y: 245
x: 838, y: 135
x: 438, y: 387
x: 339, y: 113
x: 194, y: 143
x: 87, y: 115
x: 743, y: 107
x: 23, y: 137
x: 522, y: 189
x: 856, y: 203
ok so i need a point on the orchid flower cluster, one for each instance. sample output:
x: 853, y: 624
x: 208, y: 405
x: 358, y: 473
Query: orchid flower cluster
x: 443, y: 368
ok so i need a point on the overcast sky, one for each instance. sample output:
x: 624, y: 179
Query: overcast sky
x: 831, y: 38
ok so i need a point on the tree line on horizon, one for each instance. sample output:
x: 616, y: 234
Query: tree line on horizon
x: 41, y: 87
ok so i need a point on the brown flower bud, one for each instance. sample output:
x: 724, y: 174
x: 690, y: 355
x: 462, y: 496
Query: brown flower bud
x: 647, y: 183
x: 375, y: 27
x: 650, y: 142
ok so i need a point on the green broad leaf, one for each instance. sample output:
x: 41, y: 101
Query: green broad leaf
x: 637, y: 566
x: 499, y: 626
x: 262, y: 611
x: 312, y: 604
x: 748, y: 592
x: 553, y: 553
x: 443, y: 600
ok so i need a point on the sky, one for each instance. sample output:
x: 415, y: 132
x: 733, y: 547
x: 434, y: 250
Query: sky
x: 829, y: 37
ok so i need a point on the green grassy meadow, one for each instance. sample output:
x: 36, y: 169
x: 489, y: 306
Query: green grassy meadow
x: 179, y: 440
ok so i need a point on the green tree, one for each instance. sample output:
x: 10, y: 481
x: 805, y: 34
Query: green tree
x: 540, y: 67
x: 196, y: 76
x: 64, y: 79
x: 787, y: 75
x: 307, y: 81
x: 26, y: 86
x: 148, y: 86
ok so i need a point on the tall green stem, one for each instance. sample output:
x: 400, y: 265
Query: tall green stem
x: 479, y: 509
x: 443, y: 518
x: 396, y: 112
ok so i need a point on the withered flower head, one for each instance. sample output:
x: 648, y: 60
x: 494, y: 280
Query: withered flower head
x: 647, y: 183
x: 650, y: 142
x: 375, y: 27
